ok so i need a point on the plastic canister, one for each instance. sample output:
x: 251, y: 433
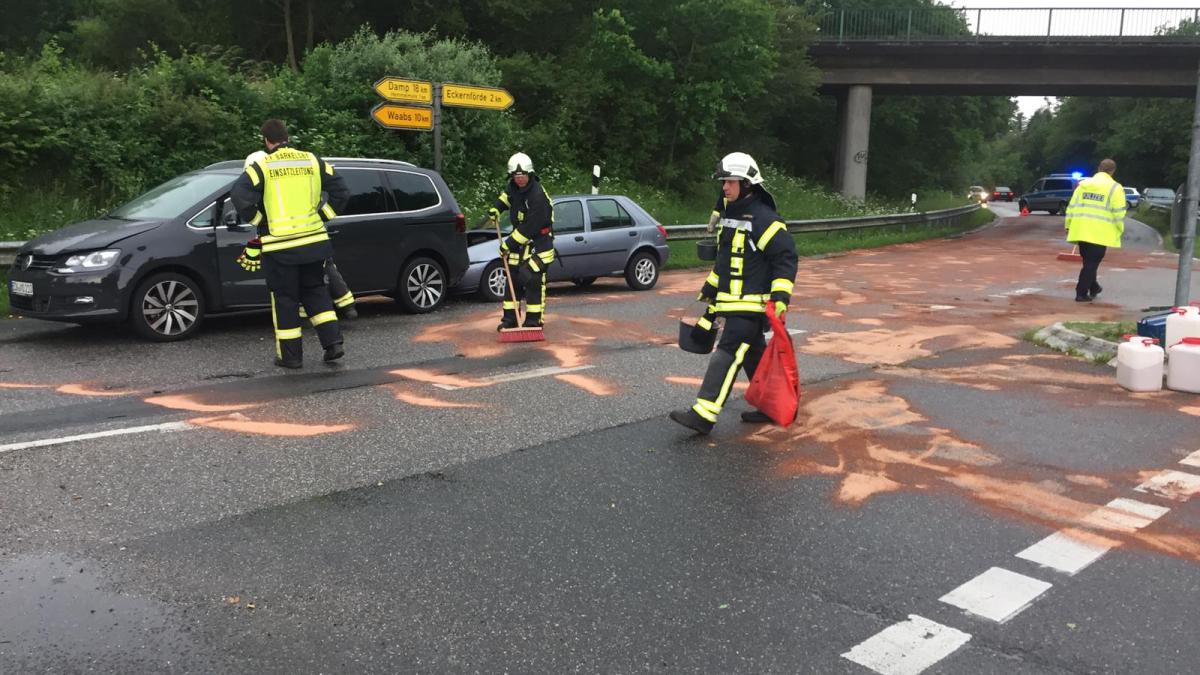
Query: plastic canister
x: 1183, y: 372
x: 1183, y: 322
x: 1140, y: 364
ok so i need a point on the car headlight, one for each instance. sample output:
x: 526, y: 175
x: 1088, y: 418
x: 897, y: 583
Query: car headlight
x: 89, y: 262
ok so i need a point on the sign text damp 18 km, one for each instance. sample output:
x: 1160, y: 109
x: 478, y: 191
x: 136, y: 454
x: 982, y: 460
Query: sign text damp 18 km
x: 392, y: 116
x: 469, y: 96
x: 400, y: 90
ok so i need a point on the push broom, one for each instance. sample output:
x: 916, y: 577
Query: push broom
x: 519, y: 334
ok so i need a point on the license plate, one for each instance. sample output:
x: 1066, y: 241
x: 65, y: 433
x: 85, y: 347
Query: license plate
x: 21, y: 287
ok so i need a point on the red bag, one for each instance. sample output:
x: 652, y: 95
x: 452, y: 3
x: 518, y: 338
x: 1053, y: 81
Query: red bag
x: 775, y: 387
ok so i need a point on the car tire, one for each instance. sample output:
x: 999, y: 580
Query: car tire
x: 493, y: 283
x: 641, y: 272
x: 1062, y: 208
x: 422, y: 286
x: 166, y: 307
x: 584, y: 282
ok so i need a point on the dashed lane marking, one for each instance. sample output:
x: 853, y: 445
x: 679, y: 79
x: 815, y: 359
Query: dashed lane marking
x: 997, y: 594
x: 514, y: 377
x: 1192, y: 459
x: 908, y: 647
x: 1174, y: 485
x: 1019, y: 291
x: 1069, y: 551
x: 165, y: 427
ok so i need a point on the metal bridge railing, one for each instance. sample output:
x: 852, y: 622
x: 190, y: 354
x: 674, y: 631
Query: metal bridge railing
x: 951, y: 23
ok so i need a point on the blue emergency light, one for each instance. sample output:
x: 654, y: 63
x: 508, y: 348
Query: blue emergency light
x: 1077, y: 175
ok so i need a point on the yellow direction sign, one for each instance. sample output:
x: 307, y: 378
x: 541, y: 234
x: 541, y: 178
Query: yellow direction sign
x: 391, y: 116
x: 407, y: 91
x: 468, y: 96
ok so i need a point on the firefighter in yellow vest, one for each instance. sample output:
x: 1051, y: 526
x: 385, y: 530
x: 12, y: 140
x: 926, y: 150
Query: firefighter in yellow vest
x: 281, y: 194
x: 1095, y: 221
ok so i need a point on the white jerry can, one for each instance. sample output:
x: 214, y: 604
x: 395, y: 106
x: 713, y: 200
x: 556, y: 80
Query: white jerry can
x: 1140, y: 364
x: 1183, y: 322
x: 1183, y: 374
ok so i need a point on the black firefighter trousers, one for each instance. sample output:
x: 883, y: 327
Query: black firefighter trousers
x: 741, y: 348
x: 292, y: 284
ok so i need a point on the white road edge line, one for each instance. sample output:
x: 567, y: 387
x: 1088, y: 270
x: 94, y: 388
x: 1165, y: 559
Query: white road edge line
x: 1175, y: 485
x: 997, y: 594
x: 908, y: 647
x: 164, y: 427
x: 522, y: 375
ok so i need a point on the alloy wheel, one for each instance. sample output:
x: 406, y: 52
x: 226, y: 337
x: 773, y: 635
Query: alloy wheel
x: 425, y: 285
x: 169, y: 307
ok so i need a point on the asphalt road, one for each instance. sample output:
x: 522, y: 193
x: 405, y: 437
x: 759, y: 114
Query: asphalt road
x: 437, y: 502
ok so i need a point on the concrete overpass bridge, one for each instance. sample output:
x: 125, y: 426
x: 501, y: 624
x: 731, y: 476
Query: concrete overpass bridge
x: 1011, y: 52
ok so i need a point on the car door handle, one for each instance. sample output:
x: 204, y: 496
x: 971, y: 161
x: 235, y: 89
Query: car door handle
x: 633, y: 234
x: 578, y: 238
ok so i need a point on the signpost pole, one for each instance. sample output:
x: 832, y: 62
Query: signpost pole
x: 437, y: 127
x: 1183, y: 278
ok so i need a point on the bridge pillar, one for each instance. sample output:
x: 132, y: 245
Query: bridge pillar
x: 850, y: 165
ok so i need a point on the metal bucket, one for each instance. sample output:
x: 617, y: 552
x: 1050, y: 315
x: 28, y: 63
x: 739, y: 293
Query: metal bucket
x: 689, y: 343
x: 706, y: 249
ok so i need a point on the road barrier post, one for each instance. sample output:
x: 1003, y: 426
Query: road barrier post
x: 1183, y: 277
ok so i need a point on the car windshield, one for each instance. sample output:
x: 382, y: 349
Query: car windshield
x: 1160, y: 192
x: 173, y: 198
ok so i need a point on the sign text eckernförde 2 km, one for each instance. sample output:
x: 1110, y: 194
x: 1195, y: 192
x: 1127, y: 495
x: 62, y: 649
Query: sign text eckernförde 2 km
x: 470, y: 96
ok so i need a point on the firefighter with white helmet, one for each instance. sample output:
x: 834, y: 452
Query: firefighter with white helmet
x: 529, y: 249
x: 754, y: 272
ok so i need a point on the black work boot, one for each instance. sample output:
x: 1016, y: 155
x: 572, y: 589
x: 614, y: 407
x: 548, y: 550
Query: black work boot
x: 1096, y: 289
x: 533, y: 320
x: 334, y: 352
x: 285, y: 363
x: 690, y: 419
x: 755, y: 417
x: 508, y: 321
x: 348, y: 313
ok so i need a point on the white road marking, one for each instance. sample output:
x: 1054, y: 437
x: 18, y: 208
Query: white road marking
x: 791, y: 331
x: 1192, y: 459
x: 1060, y: 551
x: 1117, y: 269
x: 997, y: 594
x: 907, y: 648
x: 167, y: 426
x: 522, y: 375
x: 1125, y: 514
x: 1174, y: 485
x: 1025, y: 291
x: 941, y: 308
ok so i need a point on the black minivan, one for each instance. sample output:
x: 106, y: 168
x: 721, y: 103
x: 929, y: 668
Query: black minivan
x: 168, y: 258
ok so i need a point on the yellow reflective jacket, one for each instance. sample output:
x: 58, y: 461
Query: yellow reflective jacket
x: 281, y: 194
x: 1096, y: 214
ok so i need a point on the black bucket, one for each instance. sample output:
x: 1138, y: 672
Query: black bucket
x: 706, y: 249
x: 689, y: 343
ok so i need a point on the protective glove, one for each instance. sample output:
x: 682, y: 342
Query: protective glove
x: 493, y: 216
x: 251, y: 257
x: 779, y: 308
x: 712, y: 222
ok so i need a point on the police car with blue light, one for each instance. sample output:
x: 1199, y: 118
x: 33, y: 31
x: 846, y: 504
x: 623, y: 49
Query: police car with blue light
x: 1051, y: 193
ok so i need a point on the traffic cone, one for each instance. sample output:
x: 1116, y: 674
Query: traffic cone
x: 1024, y: 210
x: 1073, y: 256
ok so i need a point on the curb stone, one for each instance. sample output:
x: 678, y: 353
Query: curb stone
x: 1064, y: 339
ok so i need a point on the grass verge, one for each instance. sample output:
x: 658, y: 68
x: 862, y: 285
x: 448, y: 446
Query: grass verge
x: 1105, y: 330
x: 1161, y: 221
x: 683, y: 251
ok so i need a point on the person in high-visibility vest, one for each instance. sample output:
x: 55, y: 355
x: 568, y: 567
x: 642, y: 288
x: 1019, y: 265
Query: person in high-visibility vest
x: 1095, y: 222
x: 754, y: 273
x: 529, y: 249
x: 281, y: 194
x: 339, y: 290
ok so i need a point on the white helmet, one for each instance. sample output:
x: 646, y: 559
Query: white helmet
x: 254, y: 157
x: 738, y: 165
x: 520, y: 162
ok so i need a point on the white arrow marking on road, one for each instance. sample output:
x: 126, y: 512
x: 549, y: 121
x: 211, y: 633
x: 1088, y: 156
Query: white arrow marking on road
x: 167, y: 426
x: 523, y: 375
x: 907, y: 648
x: 997, y: 594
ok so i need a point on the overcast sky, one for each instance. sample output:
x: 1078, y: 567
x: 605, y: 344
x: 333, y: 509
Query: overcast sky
x: 1029, y: 104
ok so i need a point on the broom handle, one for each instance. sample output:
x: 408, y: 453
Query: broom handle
x: 512, y: 290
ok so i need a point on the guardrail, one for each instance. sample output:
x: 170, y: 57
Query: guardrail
x: 943, y: 217
x: 950, y: 23
x: 8, y: 249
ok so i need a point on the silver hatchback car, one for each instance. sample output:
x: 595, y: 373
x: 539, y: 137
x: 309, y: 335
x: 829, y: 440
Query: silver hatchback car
x: 595, y: 236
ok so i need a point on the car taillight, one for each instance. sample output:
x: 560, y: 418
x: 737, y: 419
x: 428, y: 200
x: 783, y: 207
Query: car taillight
x: 460, y: 222
x: 663, y: 231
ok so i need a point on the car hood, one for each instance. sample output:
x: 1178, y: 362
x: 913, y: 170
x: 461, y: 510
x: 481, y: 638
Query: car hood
x: 90, y: 234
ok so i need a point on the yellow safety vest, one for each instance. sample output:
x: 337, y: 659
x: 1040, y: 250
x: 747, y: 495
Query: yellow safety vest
x: 291, y: 196
x: 1096, y: 214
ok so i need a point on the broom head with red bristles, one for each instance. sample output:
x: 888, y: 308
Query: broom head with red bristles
x: 531, y: 334
x: 1073, y: 256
